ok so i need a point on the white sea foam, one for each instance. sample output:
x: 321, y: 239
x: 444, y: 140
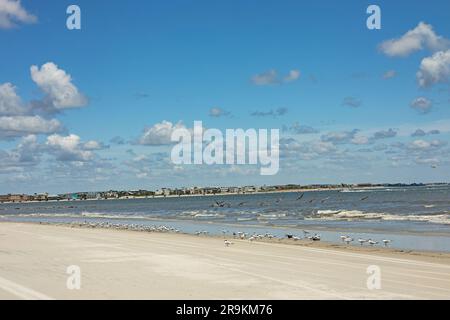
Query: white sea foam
x: 373, y: 190
x: 271, y: 216
x: 350, y: 215
x: 208, y: 215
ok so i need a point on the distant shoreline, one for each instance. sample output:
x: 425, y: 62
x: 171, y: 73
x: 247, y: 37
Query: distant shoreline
x: 300, y: 190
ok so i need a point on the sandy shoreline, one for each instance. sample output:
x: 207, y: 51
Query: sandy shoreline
x: 119, y: 264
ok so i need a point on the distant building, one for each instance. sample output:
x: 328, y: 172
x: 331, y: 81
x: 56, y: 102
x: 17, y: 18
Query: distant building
x: 15, y: 198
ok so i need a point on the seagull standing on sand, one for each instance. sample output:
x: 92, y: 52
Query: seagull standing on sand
x: 227, y: 243
x: 386, y: 242
x: 316, y: 237
x: 348, y: 240
x: 362, y: 241
x: 372, y: 243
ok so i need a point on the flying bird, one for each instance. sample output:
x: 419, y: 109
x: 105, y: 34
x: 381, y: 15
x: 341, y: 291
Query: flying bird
x: 300, y: 197
x: 323, y: 200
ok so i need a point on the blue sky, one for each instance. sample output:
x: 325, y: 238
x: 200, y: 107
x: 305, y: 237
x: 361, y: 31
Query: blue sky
x: 139, y: 63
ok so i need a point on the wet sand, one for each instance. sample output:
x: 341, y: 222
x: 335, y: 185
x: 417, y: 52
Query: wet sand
x: 120, y: 264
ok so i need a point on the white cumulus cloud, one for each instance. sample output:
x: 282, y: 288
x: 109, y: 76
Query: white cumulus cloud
x: 159, y: 134
x: 58, y: 86
x: 12, y: 12
x: 23, y: 125
x: 10, y: 102
x: 422, y: 105
x: 434, y: 69
x: 68, y: 148
x: 271, y: 77
x: 421, y: 37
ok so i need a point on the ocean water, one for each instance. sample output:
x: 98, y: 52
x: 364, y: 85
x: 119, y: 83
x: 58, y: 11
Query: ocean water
x: 414, y: 217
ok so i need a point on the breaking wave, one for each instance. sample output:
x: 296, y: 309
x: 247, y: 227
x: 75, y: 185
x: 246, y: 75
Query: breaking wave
x: 349, y: 215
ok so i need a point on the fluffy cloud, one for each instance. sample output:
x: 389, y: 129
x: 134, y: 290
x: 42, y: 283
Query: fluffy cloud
x: 434, y: 69
x: 57, y: 85
x: 18, y: 119
x: 291, y: 148
x: 11, y: 127
x: 218, y: 112
x: 342, y: 137
x: 271, y: 77
x: 271, y: 113
x: 292, y: 76
x: 421, y: 133
x: 296, y: 128
x: 159, y: 134
x: 421, y: 37
x: 12, y: 12
x: 426, y: 145
x: 265, y: 78
x: 94, y: 145
x: 68, y: 148
x: 29, y: 149
x: 24, y: 155
x: 351, y: 102
x: 10, y: 102
x: 385, y: 134
x: 422, y: 105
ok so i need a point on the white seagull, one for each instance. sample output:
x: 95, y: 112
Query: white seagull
x: 347, y: 240
x: 386, y: 242
x: 227, y: 243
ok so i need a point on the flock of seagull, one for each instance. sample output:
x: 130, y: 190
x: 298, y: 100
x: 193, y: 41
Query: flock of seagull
x: 236, y: 235
x: 224, y: 204
x: 315, y: 237
x: 307, y: 236
x: 126, y: 226
x: 348, y: 240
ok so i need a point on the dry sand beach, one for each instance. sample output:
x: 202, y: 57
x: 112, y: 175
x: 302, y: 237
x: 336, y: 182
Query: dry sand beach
x: 136, y: 265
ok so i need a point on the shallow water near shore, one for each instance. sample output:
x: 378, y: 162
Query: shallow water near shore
x: 414, y: 218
